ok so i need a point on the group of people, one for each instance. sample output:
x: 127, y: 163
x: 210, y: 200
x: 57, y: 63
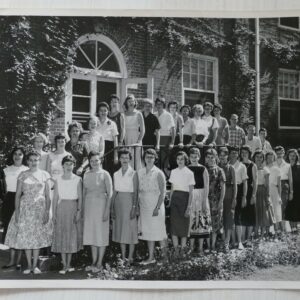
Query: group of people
x: 67, y: 198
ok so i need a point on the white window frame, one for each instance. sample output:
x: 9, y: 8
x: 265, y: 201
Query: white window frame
x: 287, y: 99
x: 215, y: 62
x: 288, y: 27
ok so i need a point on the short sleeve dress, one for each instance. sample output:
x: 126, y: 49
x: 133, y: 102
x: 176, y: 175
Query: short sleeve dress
x: 30, y: 232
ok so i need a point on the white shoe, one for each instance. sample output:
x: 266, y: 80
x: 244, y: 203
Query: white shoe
x: 88, y: 268
x: 27, y: 271
x: 62, y: 272
x: 71, y: 269
x: 241, y: 247
x: 37, y: 271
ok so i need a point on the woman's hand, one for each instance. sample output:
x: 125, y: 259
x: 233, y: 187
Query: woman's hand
x: 45, y: 217
x: 79, y: 171
x: 279, y: 201
x: 78, y: 216
x: 171, y: 146
x: 105, y: 216
x: 233, y: 205
x: 116, y: 161
x: 187, y: 212
x: 291, y: 196
x: 199, y: 144
x: 180, y: 145
x: 253, y: 199
x: 133, y: 212
x: 155, y: 212
x: 157, y: 148
x: 244, y: 202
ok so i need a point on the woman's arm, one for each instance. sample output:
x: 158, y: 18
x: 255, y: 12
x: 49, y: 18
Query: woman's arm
x: 135, y: 197
x: 122, y: 124
x: 157, y: 134
x: 48, y: 164
x: 245, y: 190
x: 222, y: 195
x: 291, y: 194
x: 79, y: 203
x: 162, y: 188
x: 109, y: 193
x: 279, y: 188
x: 254, y: 176
x: 206, y: 188
x: 18, y: 198
x: 234, y: 188
x: 188, y: 209
x: 267, y: 177
x: 142, y: 128
x: 101, y: 146
x: 116, y: 149
x: 180, y: 130
x: 55, y: 201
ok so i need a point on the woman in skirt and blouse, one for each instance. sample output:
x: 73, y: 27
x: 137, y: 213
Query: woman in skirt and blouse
x: 264, y: 207
x: 152, y: 190
x: 200, y: 225
x: 183, y: 181
x: 67, y: 206
x: 97, y: 192
x: 230, y: 196
x: 216, y: 193
x: 124, y: 206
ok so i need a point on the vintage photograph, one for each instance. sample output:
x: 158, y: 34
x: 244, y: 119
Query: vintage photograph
x: 138, y: 148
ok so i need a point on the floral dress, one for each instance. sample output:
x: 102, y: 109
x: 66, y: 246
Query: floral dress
x: 30, y: 232
x: 216, y: 178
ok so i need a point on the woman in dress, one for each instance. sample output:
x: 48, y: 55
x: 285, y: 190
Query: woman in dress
x: 248, y: 211
x: 189, y: 128
x: 293, y: 206
x: 242, y: 187
x: 201, y: 128
x: 16, y: 165
x: 116, y: 116
x: 77, y: 148
x: 230, y: 196
x: 39, y: 142
x: 200, y: 224
x: 124, y: 206
x: 97, y: 193
x: 211, y: 123
x: 286, y: 183
x: 67, y: 205
x: 94, y: 140
x: 216, y: 193
x: 182, y: 185
x: 29, y: 228
x: 134, y: 130
x: 275, y: 187
x: 108, y: 129
x: 54, y: 166
x: 152, y: 190
x: 264, y: 208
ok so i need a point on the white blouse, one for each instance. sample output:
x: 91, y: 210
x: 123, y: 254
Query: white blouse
x: 261, y: 175
x: 11, y: 176
x: 284, y: 168
x: 274, y: 174
x: 201, y: 127
x: 166, y: 122
x: 108, y: 130
x: 240, y: 172
x: 181, y: 179
x: 124, y: 183
x: 67, y: 188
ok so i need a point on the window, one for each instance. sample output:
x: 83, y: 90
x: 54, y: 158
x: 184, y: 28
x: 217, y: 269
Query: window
x: 290, y: 23
x: 289, y: 99
x: 199, y: 79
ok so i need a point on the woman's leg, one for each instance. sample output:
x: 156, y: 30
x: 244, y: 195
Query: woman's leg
x: 213, y: 241
x: 101, y: 252
x: 131, y: 251
x: 200, y: 249
x: 164, y: 249
x: 69, y: 259
x: 249, y: 232
x: 239, y: 236
x: 28, y: 253
x: 151, y: 250
x: 175, y: 241
x: 64, y: 260
x: 19, y: 256
x: 94, y: 255
x: 36, y: 253
x: 183, y: 241
x: 12, y: 254
x: 192, y: 244
x: 123, y: 250
x: 227, y: 237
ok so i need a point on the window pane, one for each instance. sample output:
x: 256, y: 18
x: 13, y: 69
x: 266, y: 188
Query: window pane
x: 186, y: 64
x: 194, y: 66
x: 83, y: 119
x: 104, y: 90
x: 297, y: 93
x: 290, y: 22
x: 81, y: 104
x: 201, y: 67
x: 106, y: 59
x: 186, y: 80
x: 89, y: 49
x: 289, y: 113
x: 280, y: 78
x: 193, y: 97
x: 285, y: 78
x: 285, y: 92
x: 281, y: 91
x: 81, y: 87
x: 80, y: 61
x: 201, y: 82
x: 194, y: 83
x: 209, y: 81
x: 209, y: 69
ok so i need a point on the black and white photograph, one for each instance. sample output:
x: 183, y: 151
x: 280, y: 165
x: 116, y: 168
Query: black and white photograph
x: 149, y: 148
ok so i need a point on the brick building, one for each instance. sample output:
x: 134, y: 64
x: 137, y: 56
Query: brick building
x: 111, y: 59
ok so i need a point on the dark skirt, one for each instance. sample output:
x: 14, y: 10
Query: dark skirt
x: 8, y: 208
x: 179, y: 223
x: 284, y: 196
x: 292, y: 212
x: 238, y: 207
x: 264, y: 208
x: 228, y: 212
x: 248, y: 212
